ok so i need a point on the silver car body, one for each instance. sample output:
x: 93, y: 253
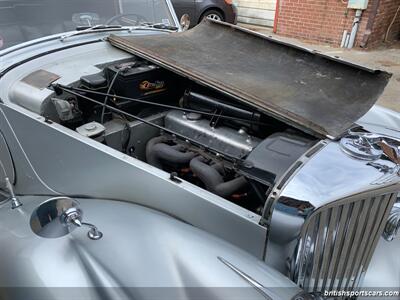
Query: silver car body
x: 159, y: 233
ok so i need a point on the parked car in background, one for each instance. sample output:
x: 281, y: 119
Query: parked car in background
x: 220, y: 10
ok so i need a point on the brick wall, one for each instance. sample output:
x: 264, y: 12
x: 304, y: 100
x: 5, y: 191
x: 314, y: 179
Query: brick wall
x: 385, y: 14
x: 324, y: 21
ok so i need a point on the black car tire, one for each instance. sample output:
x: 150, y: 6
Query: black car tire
x: 214, y: 14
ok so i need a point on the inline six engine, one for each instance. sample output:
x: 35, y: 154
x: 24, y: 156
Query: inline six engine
x: 195, y: 133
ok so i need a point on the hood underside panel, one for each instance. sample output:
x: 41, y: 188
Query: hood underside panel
x: 313, y: 92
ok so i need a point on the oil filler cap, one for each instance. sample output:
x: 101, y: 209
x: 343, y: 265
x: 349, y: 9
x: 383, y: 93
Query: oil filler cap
x: 92, y: 129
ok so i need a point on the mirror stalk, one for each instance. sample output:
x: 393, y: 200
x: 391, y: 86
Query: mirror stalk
x: 73, y: 216
x: 14, y: 200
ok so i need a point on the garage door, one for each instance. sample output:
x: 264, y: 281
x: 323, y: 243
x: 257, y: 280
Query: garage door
x: 258, y: 12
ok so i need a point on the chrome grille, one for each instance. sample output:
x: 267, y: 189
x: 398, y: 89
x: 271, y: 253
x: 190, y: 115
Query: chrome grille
x: 337, y: 242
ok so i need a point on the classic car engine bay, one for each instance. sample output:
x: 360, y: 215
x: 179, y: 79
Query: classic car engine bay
x: 179, y: 126
x: 292, y: 178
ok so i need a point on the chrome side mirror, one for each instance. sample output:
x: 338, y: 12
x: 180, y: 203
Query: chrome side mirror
x: 185, y: 22
x: 58, y: 217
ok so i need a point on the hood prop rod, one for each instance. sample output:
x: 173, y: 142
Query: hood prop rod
x: 58, y: 90
x: 189, y: 110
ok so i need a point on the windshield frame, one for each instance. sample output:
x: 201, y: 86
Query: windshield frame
x: 46, y: 38
x: 173, y: 14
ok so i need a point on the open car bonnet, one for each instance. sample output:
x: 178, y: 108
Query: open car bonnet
x: 318, y: 94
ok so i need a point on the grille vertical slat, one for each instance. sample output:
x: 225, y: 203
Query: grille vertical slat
x: 387, y: 203
x: 329, y: 245
x: 362, y: 245
x: 358, y: 231
x: 350, y: 231
x: 317, y: 251
x: 300, y: 251
x: 381, y: 205
x: 337, y: 242
x: 309, y: 247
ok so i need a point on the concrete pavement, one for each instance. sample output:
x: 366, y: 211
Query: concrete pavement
x: 387, y: 59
